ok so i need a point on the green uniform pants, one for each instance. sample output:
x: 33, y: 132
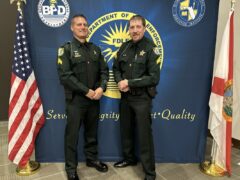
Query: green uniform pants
x: 80, y: 110
x: 135, y: 113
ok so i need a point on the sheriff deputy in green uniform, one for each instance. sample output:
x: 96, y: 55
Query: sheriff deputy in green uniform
x: 137, y: 71
x: 84, y: 75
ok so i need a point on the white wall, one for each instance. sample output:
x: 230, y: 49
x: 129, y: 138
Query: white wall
x: 224, y: 8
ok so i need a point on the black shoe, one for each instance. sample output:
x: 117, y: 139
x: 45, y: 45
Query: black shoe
x: 152, y: 178
x: 72, y: 176
x: 125, y: 163
x: 101, y: 167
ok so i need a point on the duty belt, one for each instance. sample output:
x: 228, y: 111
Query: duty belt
x: 137, y: 91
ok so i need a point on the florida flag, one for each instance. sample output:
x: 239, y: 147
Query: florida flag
x: 220, y: 123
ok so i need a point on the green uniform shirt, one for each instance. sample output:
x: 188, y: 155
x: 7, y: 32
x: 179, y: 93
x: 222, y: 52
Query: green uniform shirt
x: 138, y: 63
x: 81, y: 67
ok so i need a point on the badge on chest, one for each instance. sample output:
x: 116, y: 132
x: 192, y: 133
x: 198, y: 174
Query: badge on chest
x: 76, y: 54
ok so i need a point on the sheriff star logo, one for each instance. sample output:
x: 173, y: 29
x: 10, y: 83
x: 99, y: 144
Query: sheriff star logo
x: 142, y: 53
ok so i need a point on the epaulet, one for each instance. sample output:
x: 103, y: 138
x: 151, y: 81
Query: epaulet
x: 66, y: 43
x: 126, y: 43
x: 91, y: 44
x: 123, y: 48
x: 63, y: 48
x: 150, y: 42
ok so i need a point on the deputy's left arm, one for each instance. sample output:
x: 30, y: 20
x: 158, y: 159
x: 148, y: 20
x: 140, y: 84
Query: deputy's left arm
x: 153, y: 76
x: 104, y: 75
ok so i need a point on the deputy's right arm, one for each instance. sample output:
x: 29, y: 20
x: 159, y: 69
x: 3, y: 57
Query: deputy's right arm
x: 66, y: 75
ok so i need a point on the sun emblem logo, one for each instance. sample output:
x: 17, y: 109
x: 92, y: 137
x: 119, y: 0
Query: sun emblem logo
x: 114, y: 39
x: 109, y: 32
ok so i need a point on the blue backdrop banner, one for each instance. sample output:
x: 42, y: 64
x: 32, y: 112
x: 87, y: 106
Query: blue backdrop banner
x: 184, y: 31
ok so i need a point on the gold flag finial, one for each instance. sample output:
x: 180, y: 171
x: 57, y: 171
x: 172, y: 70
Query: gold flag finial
x: 19, y: 3
x: 232, y: 4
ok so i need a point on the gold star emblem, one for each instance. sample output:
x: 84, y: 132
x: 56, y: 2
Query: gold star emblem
x: 142, y: 53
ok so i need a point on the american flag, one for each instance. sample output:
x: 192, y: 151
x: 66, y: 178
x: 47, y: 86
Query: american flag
x: 26, y: 115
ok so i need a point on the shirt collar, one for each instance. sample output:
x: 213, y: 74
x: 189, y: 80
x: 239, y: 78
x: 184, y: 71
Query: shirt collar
x: 139, y: 44
x: 79, y: 44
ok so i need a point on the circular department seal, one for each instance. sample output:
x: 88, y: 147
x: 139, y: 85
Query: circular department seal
x: 109, y: 32
x: 188, y: 13
x: 53, y: 13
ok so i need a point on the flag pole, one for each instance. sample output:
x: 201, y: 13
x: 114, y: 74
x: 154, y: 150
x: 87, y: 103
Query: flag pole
x: 19, y: 4
x: 32, y: 166
x: 232, y: 4
x: 210, y: 167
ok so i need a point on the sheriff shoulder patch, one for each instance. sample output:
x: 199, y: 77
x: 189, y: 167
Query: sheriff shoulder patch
x: 60, y: 51
x: 157, y: 51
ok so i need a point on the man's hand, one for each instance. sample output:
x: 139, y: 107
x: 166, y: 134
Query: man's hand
x: 123, y: 85
x: 90, y: 94
x: 126, y: 89
x: 98, y: 93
